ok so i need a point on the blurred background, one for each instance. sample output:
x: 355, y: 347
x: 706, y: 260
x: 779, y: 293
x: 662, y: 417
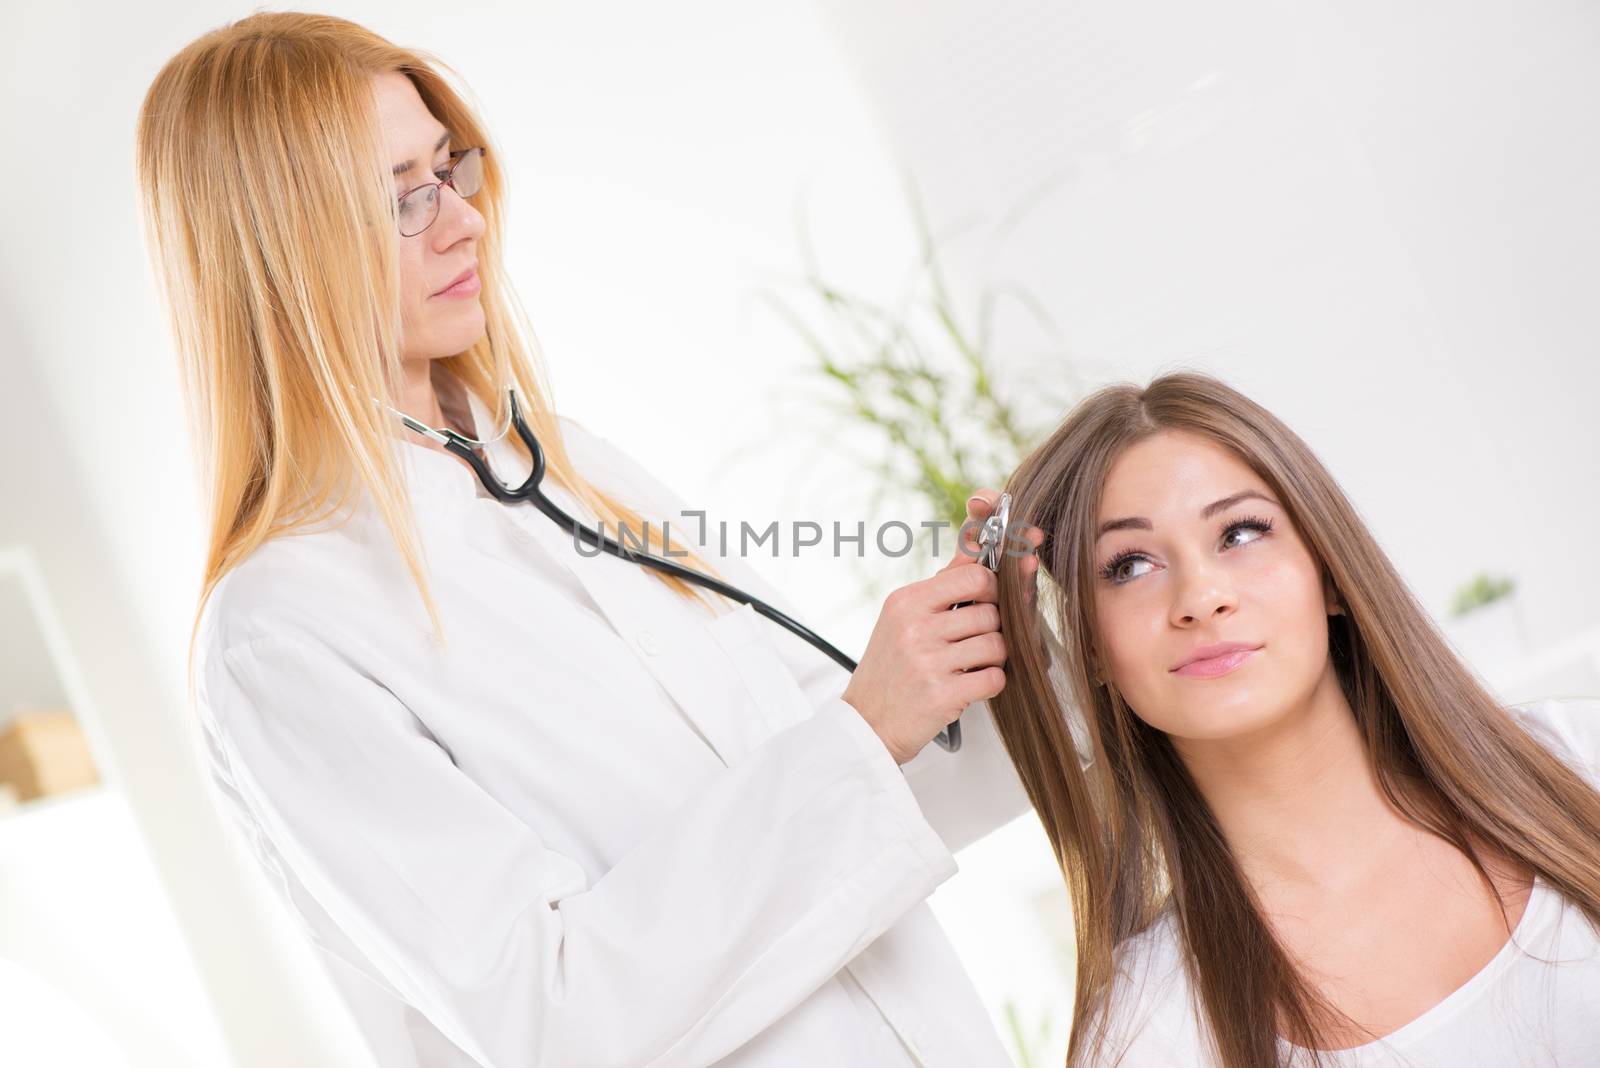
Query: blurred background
x: 1375, y: 219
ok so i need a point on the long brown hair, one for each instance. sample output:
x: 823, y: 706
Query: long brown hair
x: 1131, y: 832
x: 268, y: 215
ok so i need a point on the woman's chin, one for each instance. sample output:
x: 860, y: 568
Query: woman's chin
x: 1216, y: 713
x: 460, y: 336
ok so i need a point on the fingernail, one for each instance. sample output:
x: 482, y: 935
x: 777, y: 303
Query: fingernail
x: 975, y: 497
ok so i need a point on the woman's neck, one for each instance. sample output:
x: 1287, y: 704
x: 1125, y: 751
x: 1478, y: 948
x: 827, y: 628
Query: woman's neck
x: 1298, y: 800
x: 418, y: 398
x: 423, y: 396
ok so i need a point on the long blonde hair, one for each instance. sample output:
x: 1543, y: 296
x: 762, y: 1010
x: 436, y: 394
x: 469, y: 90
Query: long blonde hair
x: 269, y: 216
x: 1132, y: 833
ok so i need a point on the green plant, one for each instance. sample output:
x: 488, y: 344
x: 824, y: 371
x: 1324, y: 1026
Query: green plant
x: 1031, y: 1049
x: 1481, y: 590
x: 924, y: 384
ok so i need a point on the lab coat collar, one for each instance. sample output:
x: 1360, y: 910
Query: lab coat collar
x: 442, y: 474
x: 438, y: 474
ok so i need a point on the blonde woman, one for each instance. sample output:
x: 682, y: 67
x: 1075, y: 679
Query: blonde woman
x: 1291, y: 821
x: 533, y: 807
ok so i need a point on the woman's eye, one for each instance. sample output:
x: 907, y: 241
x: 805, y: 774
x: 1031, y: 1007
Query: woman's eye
x: 1241, y: 529
x: 1258, y: 527
x: 1129, y: 563
x: 1113, y: 571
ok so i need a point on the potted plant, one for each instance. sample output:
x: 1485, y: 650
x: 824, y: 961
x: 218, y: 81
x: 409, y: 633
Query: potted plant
x: 1485, y: 624
x: 923, y: 384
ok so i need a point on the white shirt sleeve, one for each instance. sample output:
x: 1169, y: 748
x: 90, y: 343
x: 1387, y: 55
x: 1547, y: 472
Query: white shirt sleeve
x: 742, y: 902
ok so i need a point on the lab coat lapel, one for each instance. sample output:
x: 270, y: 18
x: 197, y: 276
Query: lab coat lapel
x: 693, y: 658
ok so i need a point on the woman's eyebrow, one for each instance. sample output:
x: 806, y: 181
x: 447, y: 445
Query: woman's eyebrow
x: 401, y: 168
x: 1139, y: 522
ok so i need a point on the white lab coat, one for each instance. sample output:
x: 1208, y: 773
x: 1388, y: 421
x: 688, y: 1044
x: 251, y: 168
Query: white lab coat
x: 602, y: 828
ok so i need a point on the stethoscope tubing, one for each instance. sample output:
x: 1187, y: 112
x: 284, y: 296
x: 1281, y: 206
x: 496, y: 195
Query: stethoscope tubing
x: 529, y: 491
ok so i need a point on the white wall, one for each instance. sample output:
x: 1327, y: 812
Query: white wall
x: 1376, y: 219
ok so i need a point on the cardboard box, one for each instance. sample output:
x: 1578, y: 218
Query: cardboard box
x: 45, y: 752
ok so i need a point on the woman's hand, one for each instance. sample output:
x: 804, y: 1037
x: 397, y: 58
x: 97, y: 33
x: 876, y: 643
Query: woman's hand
x: 925, y: 663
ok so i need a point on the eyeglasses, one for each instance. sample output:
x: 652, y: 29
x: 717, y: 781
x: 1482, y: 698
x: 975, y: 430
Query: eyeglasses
x: 420, y: 206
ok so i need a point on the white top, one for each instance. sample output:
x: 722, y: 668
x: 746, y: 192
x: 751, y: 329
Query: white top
x: 602, y: 828
x: 1537, y: 1003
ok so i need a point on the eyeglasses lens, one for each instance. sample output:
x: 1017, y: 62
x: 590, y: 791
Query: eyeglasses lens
x: 420, y: 207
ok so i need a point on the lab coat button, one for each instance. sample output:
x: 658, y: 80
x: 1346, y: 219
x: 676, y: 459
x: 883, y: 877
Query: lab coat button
x: 648, y: 643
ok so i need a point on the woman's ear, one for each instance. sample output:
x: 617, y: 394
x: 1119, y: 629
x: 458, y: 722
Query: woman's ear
x: 1330, y: 595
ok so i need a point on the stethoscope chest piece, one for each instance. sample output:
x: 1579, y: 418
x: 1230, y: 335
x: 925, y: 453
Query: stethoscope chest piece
x: 991, y: 544
x: 992, y: 536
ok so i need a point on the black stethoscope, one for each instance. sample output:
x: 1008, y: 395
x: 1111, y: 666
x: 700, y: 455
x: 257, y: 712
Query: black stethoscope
x: 949, y: 739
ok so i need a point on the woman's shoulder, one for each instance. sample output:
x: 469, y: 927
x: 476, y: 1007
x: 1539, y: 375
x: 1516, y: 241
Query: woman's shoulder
x: 1569, y: 726
x: 297, y: 585
x: 1150, y: 1018
x: 1150, y: 962
x: 607, y: 465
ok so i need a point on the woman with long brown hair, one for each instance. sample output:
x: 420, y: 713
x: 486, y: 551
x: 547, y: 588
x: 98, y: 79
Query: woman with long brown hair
x: 1290, y: 819
x: 609, y: 821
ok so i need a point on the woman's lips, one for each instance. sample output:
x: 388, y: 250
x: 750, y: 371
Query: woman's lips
x: 1214, y: 666
x: 467, y: 287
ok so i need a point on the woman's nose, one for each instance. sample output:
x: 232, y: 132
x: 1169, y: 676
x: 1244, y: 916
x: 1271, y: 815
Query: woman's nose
x: 1203, y: 591
x: 457, y: 218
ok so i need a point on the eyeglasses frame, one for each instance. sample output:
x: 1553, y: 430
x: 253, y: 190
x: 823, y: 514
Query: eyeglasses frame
x: 449, y: 179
